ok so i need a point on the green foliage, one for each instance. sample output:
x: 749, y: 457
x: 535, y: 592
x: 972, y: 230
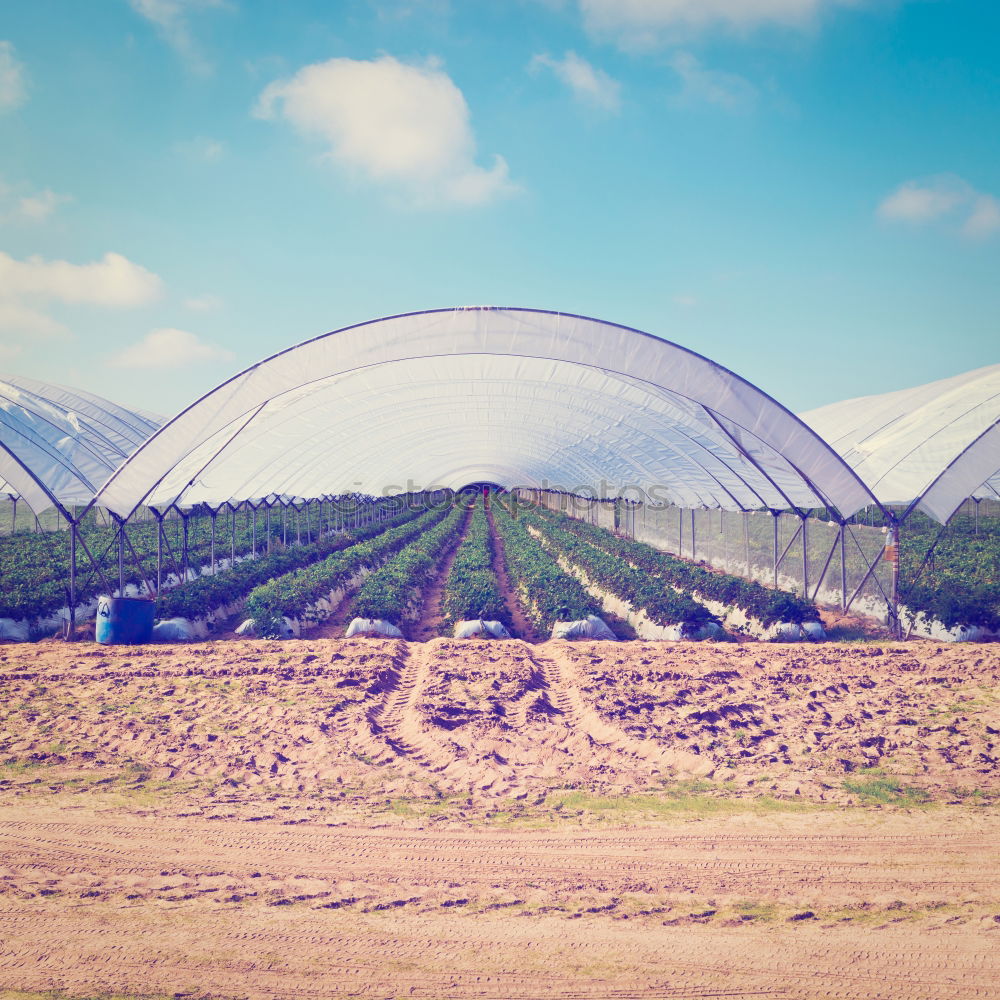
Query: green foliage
x: 471, y: 590
x: 389, y: 591
x: 766, y: 605
x: 197, y: 598
x: 290, y: 595
x: 662, y: 604
x: 549, y: 594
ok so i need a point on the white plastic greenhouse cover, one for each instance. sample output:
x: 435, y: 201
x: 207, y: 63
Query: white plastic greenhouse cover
x: 519, y: 397
x: 58, y: 445
x: 931, y: 446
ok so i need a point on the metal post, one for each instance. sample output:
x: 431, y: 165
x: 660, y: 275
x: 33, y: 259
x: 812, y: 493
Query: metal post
x: 892, y: 554
x: 184, y: 518
x: 843, y: 568
x: 232, y: 536
x: 159, y: 549
x: 267, y: 526
x: 298, y: 526
x: 746, y: 542
x: 805, y: 558
x: 775, y: 514
x: 284, y: 526
x: 213, y: 542
x: 121, y: 556
x: 253, y: 533
x: 694, y: 556
x: 72, y: 581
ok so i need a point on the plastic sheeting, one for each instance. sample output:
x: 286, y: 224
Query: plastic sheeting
x: 514, y: 396
x: 930, y: 446
x: 61, y: 444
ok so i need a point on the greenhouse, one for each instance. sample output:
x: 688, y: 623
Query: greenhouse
x: 604, y: 423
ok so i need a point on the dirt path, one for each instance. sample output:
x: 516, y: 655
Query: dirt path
x: 523, y: 629
x: 558, y: 666
x: 261, y: 910
x: 431, y: 620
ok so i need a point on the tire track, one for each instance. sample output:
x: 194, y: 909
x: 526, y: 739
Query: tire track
x: 558, y: 668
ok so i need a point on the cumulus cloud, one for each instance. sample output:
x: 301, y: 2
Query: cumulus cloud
x: 918, y: 202
x: 709, y: 86
x: 170, y: 18
x: 203, y: 303
x: 647, y: 22
x: 28, y: 286
x: 588, y: 84
x: 402, y: 125
x: 12, y: 87
x: 170, y: 348
x: 201, y: 150
x: 20, y: 204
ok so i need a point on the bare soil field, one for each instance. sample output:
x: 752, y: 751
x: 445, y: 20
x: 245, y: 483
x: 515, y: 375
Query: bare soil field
x: 332, y: 818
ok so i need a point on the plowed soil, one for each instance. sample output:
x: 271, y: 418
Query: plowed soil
x: 500, y: 820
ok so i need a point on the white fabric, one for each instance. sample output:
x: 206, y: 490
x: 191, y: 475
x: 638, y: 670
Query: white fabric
x: 515, y: 396
x: 60, y: 444
x: 936, y: 444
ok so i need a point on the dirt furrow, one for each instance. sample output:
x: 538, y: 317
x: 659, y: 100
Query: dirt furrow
x: 523, y: 628
x: 431, y: 619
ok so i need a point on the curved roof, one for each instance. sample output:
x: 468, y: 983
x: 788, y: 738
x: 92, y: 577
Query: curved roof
x: 515, y: 396
x: 929, y: 447
x: 58, y: 445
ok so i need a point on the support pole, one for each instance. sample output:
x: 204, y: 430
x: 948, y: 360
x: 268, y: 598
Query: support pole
x: 184, y: 519
x: 71, y: 636
x: 843, y: 567
x: 775, y: 515
x: 253, y: 533
x: 121, y: 556
x: 805, y: 558
x: 232, y: 536
x: 159, y: 548
x: 694, y: 557
x: 746, y: 542
x: 213, y: 541
x: 892, y: 554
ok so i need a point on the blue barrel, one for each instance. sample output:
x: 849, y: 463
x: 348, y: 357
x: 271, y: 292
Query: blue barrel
x: 124, y: 620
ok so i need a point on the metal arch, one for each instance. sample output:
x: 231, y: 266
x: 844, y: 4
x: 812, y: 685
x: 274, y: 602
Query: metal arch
x: 812, y: 435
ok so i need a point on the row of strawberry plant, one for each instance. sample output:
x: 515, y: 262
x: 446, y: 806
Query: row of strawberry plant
x: 34, y: 568
x: 548, y: 593
x: 472, y: 590
x: 663, y: 605
x: 199, y: 597
x: 767, y: 606
x: 389, y: 592
x: 290, y: 595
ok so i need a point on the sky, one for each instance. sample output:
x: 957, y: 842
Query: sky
x: 806, y: 191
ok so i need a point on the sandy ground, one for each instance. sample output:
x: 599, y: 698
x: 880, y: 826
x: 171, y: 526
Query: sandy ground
x: 446, y: 819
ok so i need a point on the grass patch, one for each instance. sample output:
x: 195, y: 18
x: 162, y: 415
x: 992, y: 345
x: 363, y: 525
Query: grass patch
x: 876, y: 789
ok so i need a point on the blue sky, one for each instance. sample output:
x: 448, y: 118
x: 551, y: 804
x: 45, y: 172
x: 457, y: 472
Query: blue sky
x: 807, y: 191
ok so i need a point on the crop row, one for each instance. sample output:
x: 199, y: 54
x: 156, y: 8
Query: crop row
x: 35, y: 567
x: 662, y: 604
x: 291, y: 595
x: 766, y: 605
x: 548, y: 594
x: 203, y: 595
x: 391, y: 590
x: 471, y: 590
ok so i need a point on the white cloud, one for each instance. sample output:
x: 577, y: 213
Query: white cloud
x: 170, y: 18
x: 202, y: 149
x: 27, y: 321
x: 12, y: 88
x: 648, y: 22
x: 710, y: 86
x: 170, y: 348
x: 984, y: 219
x: 28, y: 286
x: 20, y: 204
x: 111, y: 281
x: 588, y: 84
x: 402, y: 125
x: 203, y: 303
x: 38, y: 207
x: 918, y: 202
